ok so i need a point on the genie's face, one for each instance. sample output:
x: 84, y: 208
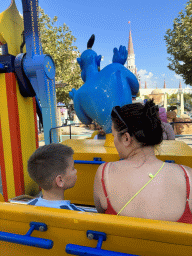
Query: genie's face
x: 89, y: 62
x: 89, y: 57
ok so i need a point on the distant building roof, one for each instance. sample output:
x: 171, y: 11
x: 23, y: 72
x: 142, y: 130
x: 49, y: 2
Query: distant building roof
x: 156, y: 91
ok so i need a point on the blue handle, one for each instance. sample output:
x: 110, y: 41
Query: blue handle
x: 88, y: 251
x: 88, y: 162
x: 27, y: 239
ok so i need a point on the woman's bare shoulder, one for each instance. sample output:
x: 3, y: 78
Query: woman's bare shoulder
x: 187, y: 168
x: 99, y: 170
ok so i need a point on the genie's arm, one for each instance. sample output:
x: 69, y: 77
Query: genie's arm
x: 133, y: 83
x: 120, y: 56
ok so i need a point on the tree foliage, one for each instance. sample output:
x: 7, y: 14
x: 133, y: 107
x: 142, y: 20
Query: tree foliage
x: 179, y: 44
x: 172, y: 100
x: 188, y: 100
x: 58, y: 42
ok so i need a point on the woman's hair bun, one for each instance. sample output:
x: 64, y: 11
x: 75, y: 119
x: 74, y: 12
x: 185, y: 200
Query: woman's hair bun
x: 150, y: 109
x: 142, y: 121
x: 152, y: 124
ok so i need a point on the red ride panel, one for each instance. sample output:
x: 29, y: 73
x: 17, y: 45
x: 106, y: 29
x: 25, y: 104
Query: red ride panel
x: 15, y: 134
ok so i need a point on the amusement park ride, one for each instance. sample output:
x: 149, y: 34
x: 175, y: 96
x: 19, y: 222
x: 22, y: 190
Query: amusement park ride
x: 27, y: 78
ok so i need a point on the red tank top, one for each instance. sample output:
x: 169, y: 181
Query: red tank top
x: 185, y: 218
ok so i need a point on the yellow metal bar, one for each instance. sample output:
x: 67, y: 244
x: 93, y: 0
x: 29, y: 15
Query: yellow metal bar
x: 6, y: 138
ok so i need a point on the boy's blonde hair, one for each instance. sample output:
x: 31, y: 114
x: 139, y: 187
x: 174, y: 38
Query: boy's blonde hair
x: 47, y: 162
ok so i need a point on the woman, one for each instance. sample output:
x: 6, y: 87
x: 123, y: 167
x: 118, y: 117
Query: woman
x: 168, y: 132
x: 141, y: 185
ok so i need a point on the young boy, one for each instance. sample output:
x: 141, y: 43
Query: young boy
x: 52, y: 168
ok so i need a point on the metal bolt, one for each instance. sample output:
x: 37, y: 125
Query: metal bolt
x: 90, y: 236
x: 41, y: 228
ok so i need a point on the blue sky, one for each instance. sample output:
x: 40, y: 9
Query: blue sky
x: 108, y: 20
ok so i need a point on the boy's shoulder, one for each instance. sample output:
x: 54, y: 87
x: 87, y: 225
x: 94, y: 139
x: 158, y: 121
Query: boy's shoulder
x: 61, y: 204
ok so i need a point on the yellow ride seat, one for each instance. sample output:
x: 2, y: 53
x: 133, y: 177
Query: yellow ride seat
x: 1, y: 198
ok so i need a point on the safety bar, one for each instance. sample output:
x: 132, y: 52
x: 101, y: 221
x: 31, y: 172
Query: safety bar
x: 89, y: 251
x: 27, y: 239
x: 88, y: 162
x: 98, y: 161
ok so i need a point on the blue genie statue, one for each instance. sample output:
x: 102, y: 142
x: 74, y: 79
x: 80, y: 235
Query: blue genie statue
x: 113, y: 86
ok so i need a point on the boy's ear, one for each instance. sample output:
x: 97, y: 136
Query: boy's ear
x: 60, y: 181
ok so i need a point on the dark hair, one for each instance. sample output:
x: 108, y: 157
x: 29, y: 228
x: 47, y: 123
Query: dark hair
x: 142, y: 122
x: 47, y: 162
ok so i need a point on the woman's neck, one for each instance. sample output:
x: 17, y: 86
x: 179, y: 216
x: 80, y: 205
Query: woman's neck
x: 141, y: 152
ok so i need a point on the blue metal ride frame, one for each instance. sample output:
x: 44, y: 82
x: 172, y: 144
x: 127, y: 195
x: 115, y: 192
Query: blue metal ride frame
x: 27, y: 239
x: 89, y: 251
x: 39, y: 68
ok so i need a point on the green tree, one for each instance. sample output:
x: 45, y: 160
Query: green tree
x: 188, y: 100
x: 58, y: 42
x: 146, y: 97
x: 172, y: 99
x: 179, y: 44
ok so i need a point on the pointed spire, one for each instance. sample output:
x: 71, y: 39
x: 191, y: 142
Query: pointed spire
x: 164, y: 84
x: 135, y: 71
x: 180, y: 86
x: 130, y: 45
x: 145, y: 85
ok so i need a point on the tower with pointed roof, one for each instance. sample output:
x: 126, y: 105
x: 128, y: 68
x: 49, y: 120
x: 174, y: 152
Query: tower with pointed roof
x: 180, y: 86
x: 131, y: 56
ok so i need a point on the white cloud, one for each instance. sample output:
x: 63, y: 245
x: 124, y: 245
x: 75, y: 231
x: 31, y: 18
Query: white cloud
x: 178, y: 77
x: 146, y: 76
x: 163, y: 75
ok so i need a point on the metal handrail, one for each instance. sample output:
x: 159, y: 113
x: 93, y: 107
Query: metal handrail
x: 64, y: 125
